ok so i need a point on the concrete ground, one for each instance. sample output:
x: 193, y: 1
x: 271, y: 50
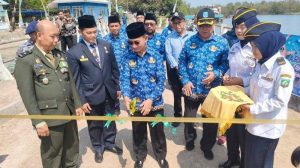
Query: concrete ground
x: 19, y: 144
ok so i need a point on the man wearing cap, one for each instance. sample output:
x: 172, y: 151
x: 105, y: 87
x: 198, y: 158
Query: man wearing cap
x: 142, y: 82
x: 27, y: 47
x: 96, y: 74
x: 154, y: 39
x: 270, y: 89
x: 174, y: 44
x: 202, y: 63
x: 241, y: 68
x: 117, y: 39
x: 47, y: 88
x: 140, y: 16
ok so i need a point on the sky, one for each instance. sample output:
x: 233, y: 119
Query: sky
x: 195, y: 3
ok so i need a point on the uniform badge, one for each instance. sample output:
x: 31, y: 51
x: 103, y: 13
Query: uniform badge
x: 151, y: 60
x: 134, y: 81
x: 132, y: 64
x: 209, y: 68
x: 158, y: 43
x: 213, y: 48
x: 37, y: 60
x: 123, y: 45
x: 45, y: 81
x: 280, y: 61
x: 58, y: 54
x: 152, y: 79
x: 285, y: 80
x: 106, y: 51
x: 83, y: 59
x: 193, y: 46
x: 191, y: 65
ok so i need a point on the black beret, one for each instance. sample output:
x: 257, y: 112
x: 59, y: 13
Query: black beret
x: 205, y: 16
x: 262, y: 27
x: 86, y: 21
x: 113, y: 19
x: 242, y: 14
x: 150, y: 16
x: 135, y: 30
x: 139, y: 12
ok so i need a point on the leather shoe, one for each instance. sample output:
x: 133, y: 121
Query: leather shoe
x: 208, y: 154
x: 115, y: 150
x: 163, y: 163
x: 98, y: 157
x: 229, y: 164
x: 189, y: 146
x: 138, y: 164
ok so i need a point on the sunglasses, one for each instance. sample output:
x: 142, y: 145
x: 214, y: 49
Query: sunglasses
x: 133, y: 42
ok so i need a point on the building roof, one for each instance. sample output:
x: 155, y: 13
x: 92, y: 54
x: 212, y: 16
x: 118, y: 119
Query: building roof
x: 54, y: 3
x: 3, y: 2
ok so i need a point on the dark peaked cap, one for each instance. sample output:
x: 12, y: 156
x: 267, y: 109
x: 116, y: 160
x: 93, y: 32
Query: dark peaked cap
x: 150, y: 16
x: 139, y: 12
x: 113, y: 19
x: 135, y: 30
x: 262, y: 27
x: 86, y: 21
x: 244, y: 14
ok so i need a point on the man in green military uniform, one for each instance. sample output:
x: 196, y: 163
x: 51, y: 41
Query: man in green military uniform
x: 47, y: 88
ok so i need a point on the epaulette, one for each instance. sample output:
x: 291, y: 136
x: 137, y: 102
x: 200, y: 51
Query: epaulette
x: 25, y: 53
x: 280, y: 61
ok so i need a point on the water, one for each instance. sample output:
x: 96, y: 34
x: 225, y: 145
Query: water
x: 289, y: 23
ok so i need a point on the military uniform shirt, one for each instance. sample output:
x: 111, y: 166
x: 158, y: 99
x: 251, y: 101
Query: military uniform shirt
x: 241, y: 62
x: 197, y: 55
x: 120, y: 46
x: 143, y: 77
x: 270, y: 88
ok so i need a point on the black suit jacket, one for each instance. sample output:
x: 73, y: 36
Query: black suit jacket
x: 93, y: 82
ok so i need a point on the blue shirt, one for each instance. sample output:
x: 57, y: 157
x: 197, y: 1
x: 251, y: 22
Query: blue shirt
x: 156, y: 43
x: 231, y: 37
x: 166, y: 31
x: 120, y: 46
x: 241, y: 62
x: 174, y: 45
x: 197, y: 55
x: 143, y: 77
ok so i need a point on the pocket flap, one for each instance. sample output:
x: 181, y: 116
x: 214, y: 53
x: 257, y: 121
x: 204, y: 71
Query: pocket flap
x: 47, y: 104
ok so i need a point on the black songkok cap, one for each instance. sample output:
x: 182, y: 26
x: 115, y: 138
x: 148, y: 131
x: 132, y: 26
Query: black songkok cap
x: 140, y: 13
x: 150, y: 16
x: 86, y: 21
x: 113, y: 19
x: 135, y: 30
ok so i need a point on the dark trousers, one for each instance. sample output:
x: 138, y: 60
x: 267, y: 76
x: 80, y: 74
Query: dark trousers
x: 209, y: 129
x: 235, y: 136
x: 259, y: 151
x: 157, y: 134
x: 69, y: 41
x: 176, y: 86
x: 102, y: 137
x: 61, y: 148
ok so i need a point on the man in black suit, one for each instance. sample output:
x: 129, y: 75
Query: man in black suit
x: 96, y: 75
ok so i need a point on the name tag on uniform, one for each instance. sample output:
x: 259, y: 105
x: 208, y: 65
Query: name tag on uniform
x: 267, y: 78
x: 83, y: 59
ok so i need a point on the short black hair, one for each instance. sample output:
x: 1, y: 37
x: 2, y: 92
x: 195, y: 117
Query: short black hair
x: 67, y: 11
x: 295, y: 158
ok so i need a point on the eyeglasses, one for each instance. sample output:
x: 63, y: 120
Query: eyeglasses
x: 133, y: 42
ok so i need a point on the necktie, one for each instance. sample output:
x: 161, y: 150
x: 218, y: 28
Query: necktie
x: 95, y: 54
x: 50, y: 58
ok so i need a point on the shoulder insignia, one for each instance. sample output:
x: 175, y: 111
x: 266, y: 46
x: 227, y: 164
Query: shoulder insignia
x: 280, y: 61
x: 25, y: 53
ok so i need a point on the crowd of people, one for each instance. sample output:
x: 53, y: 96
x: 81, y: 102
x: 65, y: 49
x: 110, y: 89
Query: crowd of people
x: 127, y: 65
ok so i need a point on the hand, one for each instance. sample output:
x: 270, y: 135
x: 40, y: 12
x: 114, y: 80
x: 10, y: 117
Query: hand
x: 43, y: 131
x: 127, y: 102
x: 225, y: 77
x: 233, y: 81
x: 86, y: 108
x: 210, y: 77
x: 79, y: 112
x: 187, y: 89
x: 119, y: 94
x: 245, y: 111
x: 146, y: 107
